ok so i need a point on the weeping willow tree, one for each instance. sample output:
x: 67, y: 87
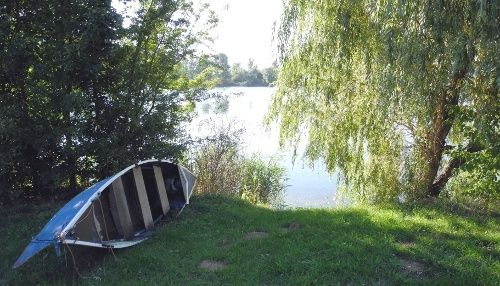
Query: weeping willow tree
x: 396, y: 95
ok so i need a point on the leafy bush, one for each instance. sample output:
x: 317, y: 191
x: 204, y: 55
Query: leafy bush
x: 221, y: 168
x: 477, y: 183
x: 216, y: 160
x: 262, y: 181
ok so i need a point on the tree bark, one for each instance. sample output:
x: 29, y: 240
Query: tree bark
x: 441, y: 126
x: 442, y: 123
x: 437, y: 186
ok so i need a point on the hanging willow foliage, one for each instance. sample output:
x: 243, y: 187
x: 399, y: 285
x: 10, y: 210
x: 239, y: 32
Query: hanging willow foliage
x: 386, y: 89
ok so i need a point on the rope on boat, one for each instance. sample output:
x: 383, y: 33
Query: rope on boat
x: 74, y: 263
x: 106, y: 228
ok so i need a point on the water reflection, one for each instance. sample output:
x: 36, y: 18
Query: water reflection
x: 308, y: 186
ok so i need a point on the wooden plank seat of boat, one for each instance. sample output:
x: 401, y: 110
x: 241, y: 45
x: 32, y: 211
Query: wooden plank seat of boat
x: 162, y: 191
x: 143, y: 198
x: 132, y: 204
x: 119, y: 209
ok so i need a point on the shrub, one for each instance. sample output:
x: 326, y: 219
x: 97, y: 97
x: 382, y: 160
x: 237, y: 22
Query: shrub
x: 216, y: 160
x: 477, y: 183
x: 221, y: 168
x: 262, y: 181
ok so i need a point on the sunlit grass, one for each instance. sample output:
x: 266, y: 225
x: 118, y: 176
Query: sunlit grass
x: 362, y: 245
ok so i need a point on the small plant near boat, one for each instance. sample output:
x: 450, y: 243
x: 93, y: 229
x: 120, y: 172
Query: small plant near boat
x: 221, y: 168
x: 216, y: 160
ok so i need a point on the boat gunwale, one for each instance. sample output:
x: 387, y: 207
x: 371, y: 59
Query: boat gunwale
x: 106, y: 243
x: 97, y: 194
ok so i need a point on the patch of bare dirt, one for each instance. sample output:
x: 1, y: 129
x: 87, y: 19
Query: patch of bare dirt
x: 212, y: 265
x: 225, y: 243
x: 411, y: 267
x: 256, y: 235
x: 407, y: 244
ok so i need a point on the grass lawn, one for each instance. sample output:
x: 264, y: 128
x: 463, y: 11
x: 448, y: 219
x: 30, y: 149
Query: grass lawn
x: 219, y: 240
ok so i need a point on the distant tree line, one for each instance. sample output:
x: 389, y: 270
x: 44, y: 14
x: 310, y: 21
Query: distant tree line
x: 218, y: 69
x: 81, y: 96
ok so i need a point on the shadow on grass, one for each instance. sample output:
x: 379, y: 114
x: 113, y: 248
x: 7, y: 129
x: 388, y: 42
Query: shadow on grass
x: 385, y: 245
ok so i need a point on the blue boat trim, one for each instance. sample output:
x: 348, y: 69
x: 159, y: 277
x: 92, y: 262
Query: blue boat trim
x: 50, y: 233
x: 60, y: 220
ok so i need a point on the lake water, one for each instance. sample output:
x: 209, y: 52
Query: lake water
x: 246, y: 107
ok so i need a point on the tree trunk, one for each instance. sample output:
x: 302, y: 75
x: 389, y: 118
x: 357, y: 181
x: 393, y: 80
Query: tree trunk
x: 441, y: 126
x: 437, y: 185
x: 436, y: 142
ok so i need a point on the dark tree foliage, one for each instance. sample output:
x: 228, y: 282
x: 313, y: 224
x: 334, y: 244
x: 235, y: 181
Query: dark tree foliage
x: 81, y: 96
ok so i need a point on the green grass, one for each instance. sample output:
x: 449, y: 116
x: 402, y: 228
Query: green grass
x: 355, y: 246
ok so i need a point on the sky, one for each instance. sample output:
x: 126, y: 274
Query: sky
x: 246, y: 29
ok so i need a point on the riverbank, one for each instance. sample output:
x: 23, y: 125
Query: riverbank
x: 245, y: 109
x: 219, y: 240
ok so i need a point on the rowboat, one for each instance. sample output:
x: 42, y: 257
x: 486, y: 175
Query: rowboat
x: 119, y: 211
